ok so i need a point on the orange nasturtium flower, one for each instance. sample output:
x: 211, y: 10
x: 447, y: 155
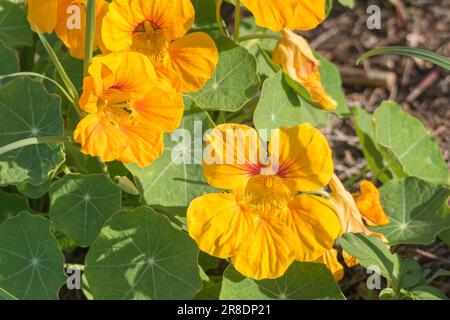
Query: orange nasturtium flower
x: 68, y: 19
x: 127, y: 110
x: 265, y: 222
x: 158, y: 29
x: 352, y: 211
x: 296, y: 58
x: 287, y: 14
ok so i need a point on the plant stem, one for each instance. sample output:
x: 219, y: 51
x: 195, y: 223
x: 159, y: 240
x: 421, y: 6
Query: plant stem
x: 32, y: 141
x: 89, y: 35
x: 260, y: 36
x: 74, y: 266
x: 237, y: 20
x: 219, y: 17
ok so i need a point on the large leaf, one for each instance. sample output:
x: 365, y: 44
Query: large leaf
x: 176, y: 178
x: 14, y: 28
x: 11, y: 204
x: 80, y: 205
x: 205, y: 17
x: 302, y: 281
x: 417, y: 211
x: 407, y: 146
x: 28, y: 111
x: 10, y: 62
x: 31, y: 265
x: 279, y: 106
x: 234, y: 82
x: 140, y: 255
x: 371, y: 252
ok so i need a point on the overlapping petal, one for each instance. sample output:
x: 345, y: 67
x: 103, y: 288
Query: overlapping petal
x: 368, y: 203
x: 42, y: 22
x: 287, y: 14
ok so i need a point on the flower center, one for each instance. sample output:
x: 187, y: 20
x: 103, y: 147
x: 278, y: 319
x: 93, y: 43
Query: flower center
x: 116, y: 106
x: 149, y: 38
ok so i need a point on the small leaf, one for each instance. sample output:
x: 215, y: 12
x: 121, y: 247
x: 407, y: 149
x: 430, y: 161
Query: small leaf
x: 234, y: 83
x: 417, y: 211
x: 302, y: 281
x: 11, y: 204
x: 80, y: 205
x: 14, y: 28
x: 31, y: 265
x: 140, y: 255
x: 371, y: 252
x: 407, y: 146
x: 427, y: 293
x: 12, y: 66
x: 31, y: 113
x: 32, y: 191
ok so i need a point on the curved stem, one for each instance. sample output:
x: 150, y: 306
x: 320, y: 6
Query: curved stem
x: 260, y: 36
x: 89, y: 35
x: 237, y: 20
x: 219, y: 16
x: 32, y: 141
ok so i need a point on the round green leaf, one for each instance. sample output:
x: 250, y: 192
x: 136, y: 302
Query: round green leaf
x: 14, y: 28
x: 140, y: 255
x: 302, y: 281
x: 32, y: 191
x: 417, y: 211
x: 11, y: 204
x: 31, y: 265
x: 80, y: 205
x: 12, y: 65
x: 407, y: 146
x: 234, y: 82
x: 427, y: 293
x: 28, y: 111
x: 280, y: 106
x: 176, y: 178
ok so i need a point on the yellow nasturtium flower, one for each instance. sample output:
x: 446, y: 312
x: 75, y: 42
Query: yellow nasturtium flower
x: 68, y: 19
x: 352, y: 211
x: 287, y: 14
x: 158, y: 29
x: 330, y: 259
x: 265, y: 222
x: 296, y: 59
x: 128, y: 111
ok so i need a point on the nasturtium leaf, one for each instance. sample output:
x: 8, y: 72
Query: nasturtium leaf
x: 348, y: 3
x: 234, y: 82
x: 140, y: 255
x: 279, y: 106
x: 80, y: 205
x: 11, y: 204
x: 32, y: 191
x: 427, y: 293
x: 10, y: 62
x: 302, y: 281
x: 210, y: 291
x: 365, y: 131
x: 445, y: 236
x: 28, y: 111
x: 6, y: 295
x: 205, y: 18
x: 411, y: 273
x: 176, y: 178
x: 407, y: 146
x: 371, y: 253
x: 31, y: 265
x: 14, y: 28
x: 417, y: 211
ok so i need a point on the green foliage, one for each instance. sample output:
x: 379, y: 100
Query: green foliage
x: 11, y: 204
x: 14, y: 28
x: 302, y: 281
x: 140, y: 255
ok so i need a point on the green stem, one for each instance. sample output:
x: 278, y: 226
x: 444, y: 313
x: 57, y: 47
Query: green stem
x: 32, y: 141
x: 260, y: 36
x: 89, y: 35
x: 74, y: 266
x: 237, y: 20
x: 219, y: 17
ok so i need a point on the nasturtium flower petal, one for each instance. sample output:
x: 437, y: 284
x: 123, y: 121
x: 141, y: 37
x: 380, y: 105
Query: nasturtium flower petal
x: 99, y: 138
x: 302, y: 157
x: 330, y: 259
x: 42, y: 15
x: 287, y: 14
x: 296, y: 59
x: 191, y: 62
x: 218, y: 224
x: 368, y: 203
x: 315, y: 224
x: 268, y: 254
x: 232, y: 156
